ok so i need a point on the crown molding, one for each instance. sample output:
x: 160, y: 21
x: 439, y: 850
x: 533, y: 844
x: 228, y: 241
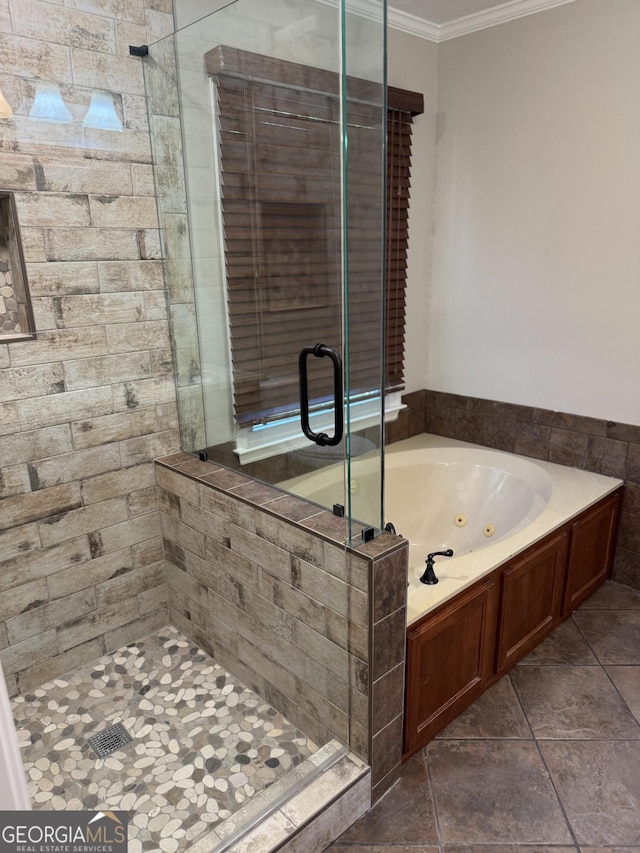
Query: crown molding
x: 406, y: 23
x: 509, y: 11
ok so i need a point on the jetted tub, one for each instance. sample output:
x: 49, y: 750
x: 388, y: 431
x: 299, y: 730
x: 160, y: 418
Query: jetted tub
x: 484, y: 504
x: 507, y: 502
x: 465, y: 499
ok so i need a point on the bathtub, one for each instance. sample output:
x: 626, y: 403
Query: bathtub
x: 462, y: 498
x: 430, y: 481
x: 486, y: 505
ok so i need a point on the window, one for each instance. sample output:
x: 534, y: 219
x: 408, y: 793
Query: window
x: 280, y: 149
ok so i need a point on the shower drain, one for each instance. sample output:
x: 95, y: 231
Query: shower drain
x: 111, y: 739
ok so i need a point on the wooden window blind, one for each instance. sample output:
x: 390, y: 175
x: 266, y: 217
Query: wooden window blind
x: 401, y: 107
x: 280, y: 149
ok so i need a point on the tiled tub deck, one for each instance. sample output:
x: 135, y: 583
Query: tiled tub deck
x: 203, y: 744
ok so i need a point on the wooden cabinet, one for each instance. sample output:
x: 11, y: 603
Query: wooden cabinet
x: 592, y: 547
x: 531, y: 598
x: 456, y: 652
x: 449, y: 661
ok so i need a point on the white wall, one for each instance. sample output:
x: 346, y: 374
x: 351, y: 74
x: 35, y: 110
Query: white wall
x: 413, y: 65
x: 535, y: 292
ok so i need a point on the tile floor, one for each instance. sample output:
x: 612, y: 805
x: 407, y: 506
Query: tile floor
x: 547, y: 761
x: 203, y: 743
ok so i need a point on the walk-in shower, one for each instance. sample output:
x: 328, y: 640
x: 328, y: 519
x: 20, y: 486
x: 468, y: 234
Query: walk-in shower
x: 192, y: 644
x: 268, y: 124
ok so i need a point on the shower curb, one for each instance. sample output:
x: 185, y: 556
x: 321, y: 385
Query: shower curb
x: 305, y: 811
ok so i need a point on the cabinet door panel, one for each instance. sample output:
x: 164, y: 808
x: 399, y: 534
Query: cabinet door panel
x: 449, y: 659
x: 531, y: 599
x: 593, y: 539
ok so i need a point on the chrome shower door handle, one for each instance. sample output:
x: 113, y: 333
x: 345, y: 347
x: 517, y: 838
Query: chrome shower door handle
x: 322, y: 439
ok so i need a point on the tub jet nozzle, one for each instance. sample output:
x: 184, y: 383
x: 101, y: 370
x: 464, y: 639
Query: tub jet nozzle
x: 429, y: 575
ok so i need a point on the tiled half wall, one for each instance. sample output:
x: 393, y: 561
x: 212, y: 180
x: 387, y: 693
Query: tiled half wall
x: 261, y: 580
x: 591, y: 444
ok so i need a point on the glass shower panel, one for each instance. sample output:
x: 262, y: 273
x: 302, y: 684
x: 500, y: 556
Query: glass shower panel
x: 363, y: 198
x: 268, y: 129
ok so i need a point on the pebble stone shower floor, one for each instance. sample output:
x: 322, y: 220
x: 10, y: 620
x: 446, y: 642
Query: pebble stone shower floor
x: 202, y: 743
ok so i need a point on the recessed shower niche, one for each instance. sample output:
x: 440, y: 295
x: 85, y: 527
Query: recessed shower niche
x: 16, y: 316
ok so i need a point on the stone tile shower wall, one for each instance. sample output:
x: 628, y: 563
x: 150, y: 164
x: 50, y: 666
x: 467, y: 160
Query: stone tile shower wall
x: 169, y: 163
x: 592, y: 444
x: 87, y: 406
x: 259, y: 579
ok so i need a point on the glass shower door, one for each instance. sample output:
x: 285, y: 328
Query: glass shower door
x: 267, y: 143
x: 273, y: 222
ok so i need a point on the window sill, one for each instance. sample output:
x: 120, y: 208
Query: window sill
x: 265, y: 440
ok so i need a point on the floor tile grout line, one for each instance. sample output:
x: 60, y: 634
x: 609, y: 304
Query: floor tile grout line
x: 606, y: 671
x: 558, y: 797
x: 557, y: 664
x: 582, y: 634
x: 521, y: 705
x: 530, y: 739
x: 432, y: 793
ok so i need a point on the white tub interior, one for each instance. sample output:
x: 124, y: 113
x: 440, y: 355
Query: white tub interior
x: 466, y: 500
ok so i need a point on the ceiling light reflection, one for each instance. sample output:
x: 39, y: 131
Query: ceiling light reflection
x: 102, y: 113
x: 49, y: 106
